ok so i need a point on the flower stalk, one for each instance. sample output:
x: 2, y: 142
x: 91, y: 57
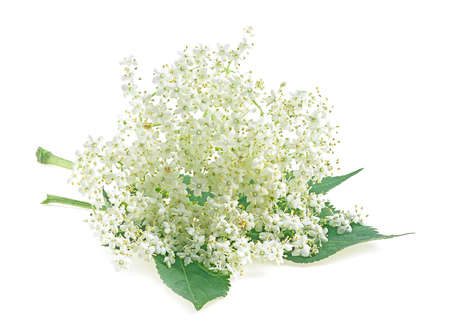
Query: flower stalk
x: 68, y: 201
x: 48, y: 158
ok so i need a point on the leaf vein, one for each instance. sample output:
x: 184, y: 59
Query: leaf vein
x: 188, y: 284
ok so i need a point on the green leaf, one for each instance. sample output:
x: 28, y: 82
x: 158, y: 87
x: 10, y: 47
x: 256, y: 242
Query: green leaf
x: 330, y: 182
x: 186, y: 179
x: 193, y: 281
x: 243, y: 201
x: 328, y: 210
x: 337, y: 242
x: 253, y: 235
x: 200, y: 200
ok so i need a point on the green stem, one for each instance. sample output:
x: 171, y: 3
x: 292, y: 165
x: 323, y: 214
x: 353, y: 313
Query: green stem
x: 258, y: 106
x: 68, y: 201
x: 46, y: 157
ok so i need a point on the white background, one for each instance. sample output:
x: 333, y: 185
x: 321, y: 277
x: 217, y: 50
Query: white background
x: 383, y: 64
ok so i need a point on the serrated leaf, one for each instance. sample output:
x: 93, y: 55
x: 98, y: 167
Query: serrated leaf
x: 193, y: 281
x: 337, y: 242
x: 328, y: 210
x: 330, y: 182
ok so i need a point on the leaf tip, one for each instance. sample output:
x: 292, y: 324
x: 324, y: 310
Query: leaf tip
x: 198, y: 307
x: 401, y: 235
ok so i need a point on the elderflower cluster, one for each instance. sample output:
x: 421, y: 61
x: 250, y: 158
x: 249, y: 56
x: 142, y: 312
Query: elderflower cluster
x: 200, y: 165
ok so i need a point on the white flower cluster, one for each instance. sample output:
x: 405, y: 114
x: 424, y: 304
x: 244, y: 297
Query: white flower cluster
x: 210, y: 167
